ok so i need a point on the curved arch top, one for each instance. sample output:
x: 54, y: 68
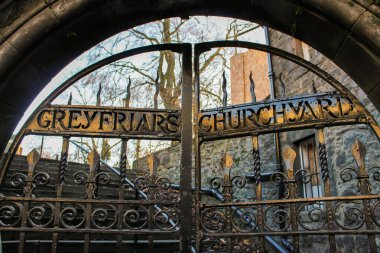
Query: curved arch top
x: 47, y: 35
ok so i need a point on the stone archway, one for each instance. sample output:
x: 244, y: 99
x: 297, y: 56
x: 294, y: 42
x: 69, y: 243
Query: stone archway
x: 38, y: 38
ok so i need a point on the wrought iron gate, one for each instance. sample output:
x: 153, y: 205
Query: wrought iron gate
x: 258, y: 220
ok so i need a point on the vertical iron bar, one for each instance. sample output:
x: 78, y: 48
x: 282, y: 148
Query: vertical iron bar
x: 327, y: 186
x: 270, y: 65
x: 228, y: 198
x: 32, y: 159
x: 94, y: 164
x: 59, y: 188
x: 226, y: 164
x: 151, y: 194
x: 273, y: 96
x: 358, y: 152
x: 186, y: 151
x: 135, y: 238
x: 122, y: 177
x: 197, y: 147
x: 257, y: 179
x: 289, y: 155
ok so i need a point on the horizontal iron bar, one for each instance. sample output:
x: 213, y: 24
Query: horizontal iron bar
x: 91, y: 230
x: 91, y: 241
x: 289, y: 233
x: 84, y: 201
x: 290, y: 201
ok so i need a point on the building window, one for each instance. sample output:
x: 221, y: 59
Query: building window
x: 310, y: 169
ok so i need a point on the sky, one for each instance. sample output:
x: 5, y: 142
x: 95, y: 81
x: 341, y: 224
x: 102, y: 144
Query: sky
x: 218, y: 25
x: 82, y: 61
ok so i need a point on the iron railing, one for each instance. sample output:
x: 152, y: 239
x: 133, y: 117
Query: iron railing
x: 210, y: 191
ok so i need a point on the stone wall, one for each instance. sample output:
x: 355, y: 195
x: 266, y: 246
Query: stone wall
x: 299, y: 81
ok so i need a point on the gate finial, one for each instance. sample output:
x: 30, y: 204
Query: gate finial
x: 157, y: 85
x: 226, y: 163
x: 98, y: 95
x: 93, y: 158
x: 128, y: 95
x: 282, y: 86
x: 69, y: 102
x: 252, y: 88
x: 150, y: 163
x: 224, y: 88
x: 315, y: 91
x: 358, y: 152
x: 289, y: 155
x: 33, y: 157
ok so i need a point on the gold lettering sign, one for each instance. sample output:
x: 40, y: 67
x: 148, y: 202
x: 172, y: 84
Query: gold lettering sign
x: 301, y: 112
x: 278, y: 115
x: 107, y: 121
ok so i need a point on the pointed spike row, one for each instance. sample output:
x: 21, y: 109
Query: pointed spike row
x: 358, y: 151
x: 33, y: 157
x: 252, y: 87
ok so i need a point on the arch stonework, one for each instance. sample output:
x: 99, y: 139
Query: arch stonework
x: 39, y: 37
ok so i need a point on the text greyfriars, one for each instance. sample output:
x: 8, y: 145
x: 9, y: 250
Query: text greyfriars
x: 73, y: 119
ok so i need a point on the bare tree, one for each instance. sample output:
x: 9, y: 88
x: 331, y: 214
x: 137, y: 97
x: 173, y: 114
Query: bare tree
x: 156, y: 80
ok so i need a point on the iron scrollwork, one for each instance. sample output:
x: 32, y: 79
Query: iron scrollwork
x: 312, y: 216
x: 72, y: 216
x: 41, y: 215
x: 349, y: 215
x: 244, y: 220
x: 228, y: 181
x: 166, y: 219
x: 153, y: 185
x: 104, y: 217
x: 213, y: 220
x: 136, y: 217
x: 10, y: 214
x: 38, y: 179
x: 277, y: 218
x: 101, y: 178
x: 361, y: 175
